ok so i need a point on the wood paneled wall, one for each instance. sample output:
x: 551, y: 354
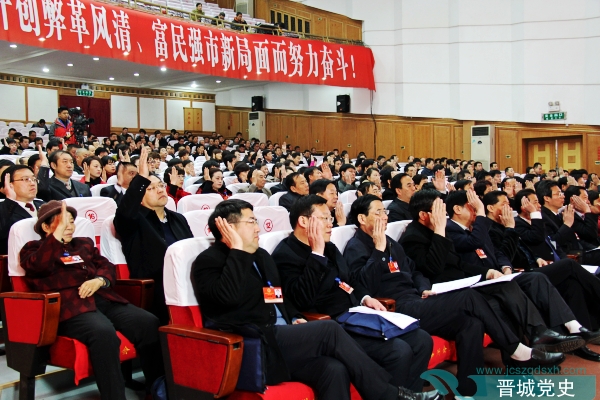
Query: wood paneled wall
x: 230, y: 121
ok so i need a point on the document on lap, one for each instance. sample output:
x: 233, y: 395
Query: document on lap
x: 592, y: 269
x: 400, y: 320
x: 439, y: 288
x: 503, y: 278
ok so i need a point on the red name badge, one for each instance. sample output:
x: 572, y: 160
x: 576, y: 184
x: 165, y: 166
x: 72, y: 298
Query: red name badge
x: 273, y: 294
x: 71, y: 260
x: 345, y: 287
x: 393, y: 265
x: 480, y: 253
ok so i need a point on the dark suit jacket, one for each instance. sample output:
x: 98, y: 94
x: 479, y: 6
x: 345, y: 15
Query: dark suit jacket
x: 508, y: 240
x: 53, y: 189
x: 534, y: 237
x: 466, y: 243
x: 370, y: 267
x: 587, y: 230
x: 309, y: 280
x: 398, y: 211
x: 435, y: 256
x: 143, y: 239
x: 230, y: 292
x: 288, y: 200
x: 10, y: 213
x: 111, y: 192
x: 44, y: 271
x: 560, y: 233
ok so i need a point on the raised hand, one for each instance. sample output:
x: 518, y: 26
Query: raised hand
x: 439, y: 180
x: 64, y: 219
x: 326, y: 171
x: 43, y: 157
x: 143, y: 169
x: 475, y: 202
x: 86, y: 172
x: 340, y: 216
x: 230, y: 237
x: 437, y: 217
x: 506, y: 218
x: 580, y: 205
x: 568, y: 215
x: 528, y: 206
x: 174, y: 177
x: 9, y: 190
x: 315, y: 235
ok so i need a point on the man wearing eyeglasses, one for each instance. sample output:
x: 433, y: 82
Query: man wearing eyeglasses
x: 20, y: 187
x: 146, y: 228
x: 327, y: 190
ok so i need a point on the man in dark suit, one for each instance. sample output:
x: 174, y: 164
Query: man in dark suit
x: 310, y: 266
x: 20, y: 187
x: 297, y: 187
x: 404, y: 187
x: 125, y: 174
x: 579, y: 288
x: 466, y: 212
x: 60, y: 186
x: 146, y: 228
x: 463, y: 316
x: 585, y: 223
x: 230, y: 281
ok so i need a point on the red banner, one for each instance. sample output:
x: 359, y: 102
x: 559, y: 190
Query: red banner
x: 107, y: 30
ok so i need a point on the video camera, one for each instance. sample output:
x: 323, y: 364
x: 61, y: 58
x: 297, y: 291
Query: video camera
x: 80, y: 123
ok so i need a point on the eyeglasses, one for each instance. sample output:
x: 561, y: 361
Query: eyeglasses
x: 251, y: 221
x: 30, y: 179
x: 157, y: 186
x: 326, y: 219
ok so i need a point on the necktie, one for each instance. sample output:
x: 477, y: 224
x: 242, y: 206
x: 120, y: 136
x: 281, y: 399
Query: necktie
x: 549, y: 243
x: 30, y: 207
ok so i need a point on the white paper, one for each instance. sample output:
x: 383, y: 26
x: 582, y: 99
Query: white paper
x: 591, y: 268
x: 398, y: 319
x: 503, y: 278
x: 439, y: 288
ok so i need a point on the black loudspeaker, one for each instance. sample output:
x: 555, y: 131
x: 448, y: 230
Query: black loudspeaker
x: 342, y: 104
x: 257, y: 103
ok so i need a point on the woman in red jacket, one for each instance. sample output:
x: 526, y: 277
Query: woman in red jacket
x: 90, y: 310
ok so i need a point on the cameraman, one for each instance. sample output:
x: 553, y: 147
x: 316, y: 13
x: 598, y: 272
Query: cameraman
x: 62, y: 128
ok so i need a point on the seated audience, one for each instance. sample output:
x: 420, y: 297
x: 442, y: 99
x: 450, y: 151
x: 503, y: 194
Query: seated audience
x: 347, y: 179
x: 257, y: 183
x: 213, y: 183
x: 125, y: 174
x: 326, y: 189
x: 173, y: 178
x: 230, y: 278
x: 368, y: 188
x: 404, y: 187
x: 311, y: 267
x: 146, y: 228
x: 297, y: 187
x: 60, y: 186
x: 92, y: 172
x: 91, y: 311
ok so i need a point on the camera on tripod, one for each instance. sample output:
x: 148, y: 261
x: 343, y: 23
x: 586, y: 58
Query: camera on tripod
x: 80, y: 123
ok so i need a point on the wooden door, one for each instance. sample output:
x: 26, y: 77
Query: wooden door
x: 542, y: 151
x: 192, y: 119
x: 569, y: 153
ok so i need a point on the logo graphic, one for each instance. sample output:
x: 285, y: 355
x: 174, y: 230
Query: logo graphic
x: 91, y: 215
x: 207, y: 230
x: 205, y: 207
x: 268, y: 225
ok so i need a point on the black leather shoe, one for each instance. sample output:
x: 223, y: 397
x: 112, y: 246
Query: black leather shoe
x: 592, y: 337
x: 405, y: 394
x: 553, y: 342
x: 539, y: 358
x: 587, y: 354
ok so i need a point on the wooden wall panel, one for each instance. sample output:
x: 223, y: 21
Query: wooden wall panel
x: 244, y: 123
x: 317, y: 127
x: 274, y: 128
x: 336, y: 28
x: 385, y: 138
x: 333, y: 135
x: 458, y: 143
x: 508, y: 149
x: 353, y: 32
x: 303, y: 132
x: 365, y: 139
x: 442, y: 141
x: 422, y: 135
x: 404, y: 142
x: 288, y: 129
x: 349, y: 136
x: 592, y: 152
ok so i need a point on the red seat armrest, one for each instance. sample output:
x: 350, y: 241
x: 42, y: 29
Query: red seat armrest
x: 31, y: 317
x: 389, y: 304
x: 138, y: 292
x: 315, y: 317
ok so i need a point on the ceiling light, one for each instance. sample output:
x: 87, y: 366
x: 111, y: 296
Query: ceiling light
x: 245, y: 76
x: 96, y: 59
x: 218, y: 81
x: 111, y: 78
x: 69, y: 65
x: 258, y: 73
x: 13, y: 46
x: 86, y: 47
x: 45, y: 69
x: 162, y: 59
x: 193, y: 65
x: 125, y: 53
x: 42, y: 39
x: 136, y: 74
x: 163, y: 69
x: 194, y: 85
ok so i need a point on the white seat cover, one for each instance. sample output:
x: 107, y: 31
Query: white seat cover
x: 270, y: 241
x: 256, y: 199
x: 274, y: 199
x: 348, y: 196
x: 96, y: 189
x: 198, y: 222
x: 171, y: 204
x: 347, y: 207
x: 396, y: 229
x: 341, y: 235
x: 22, y: 232
x: 178, y: 270
x: 193, y: 188
x: 110, y: 246
x: 95, y: 209
x: 229, y: 180
x: 269, y: 185
x: 272, y: 219
x: 112, y: 180
x: 193, y: 202
x: 386, y: 203
x: 234, y: 187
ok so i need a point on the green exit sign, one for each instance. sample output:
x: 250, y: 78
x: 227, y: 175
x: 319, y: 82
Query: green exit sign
x: 554, y: 116
x: 85, y: 92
